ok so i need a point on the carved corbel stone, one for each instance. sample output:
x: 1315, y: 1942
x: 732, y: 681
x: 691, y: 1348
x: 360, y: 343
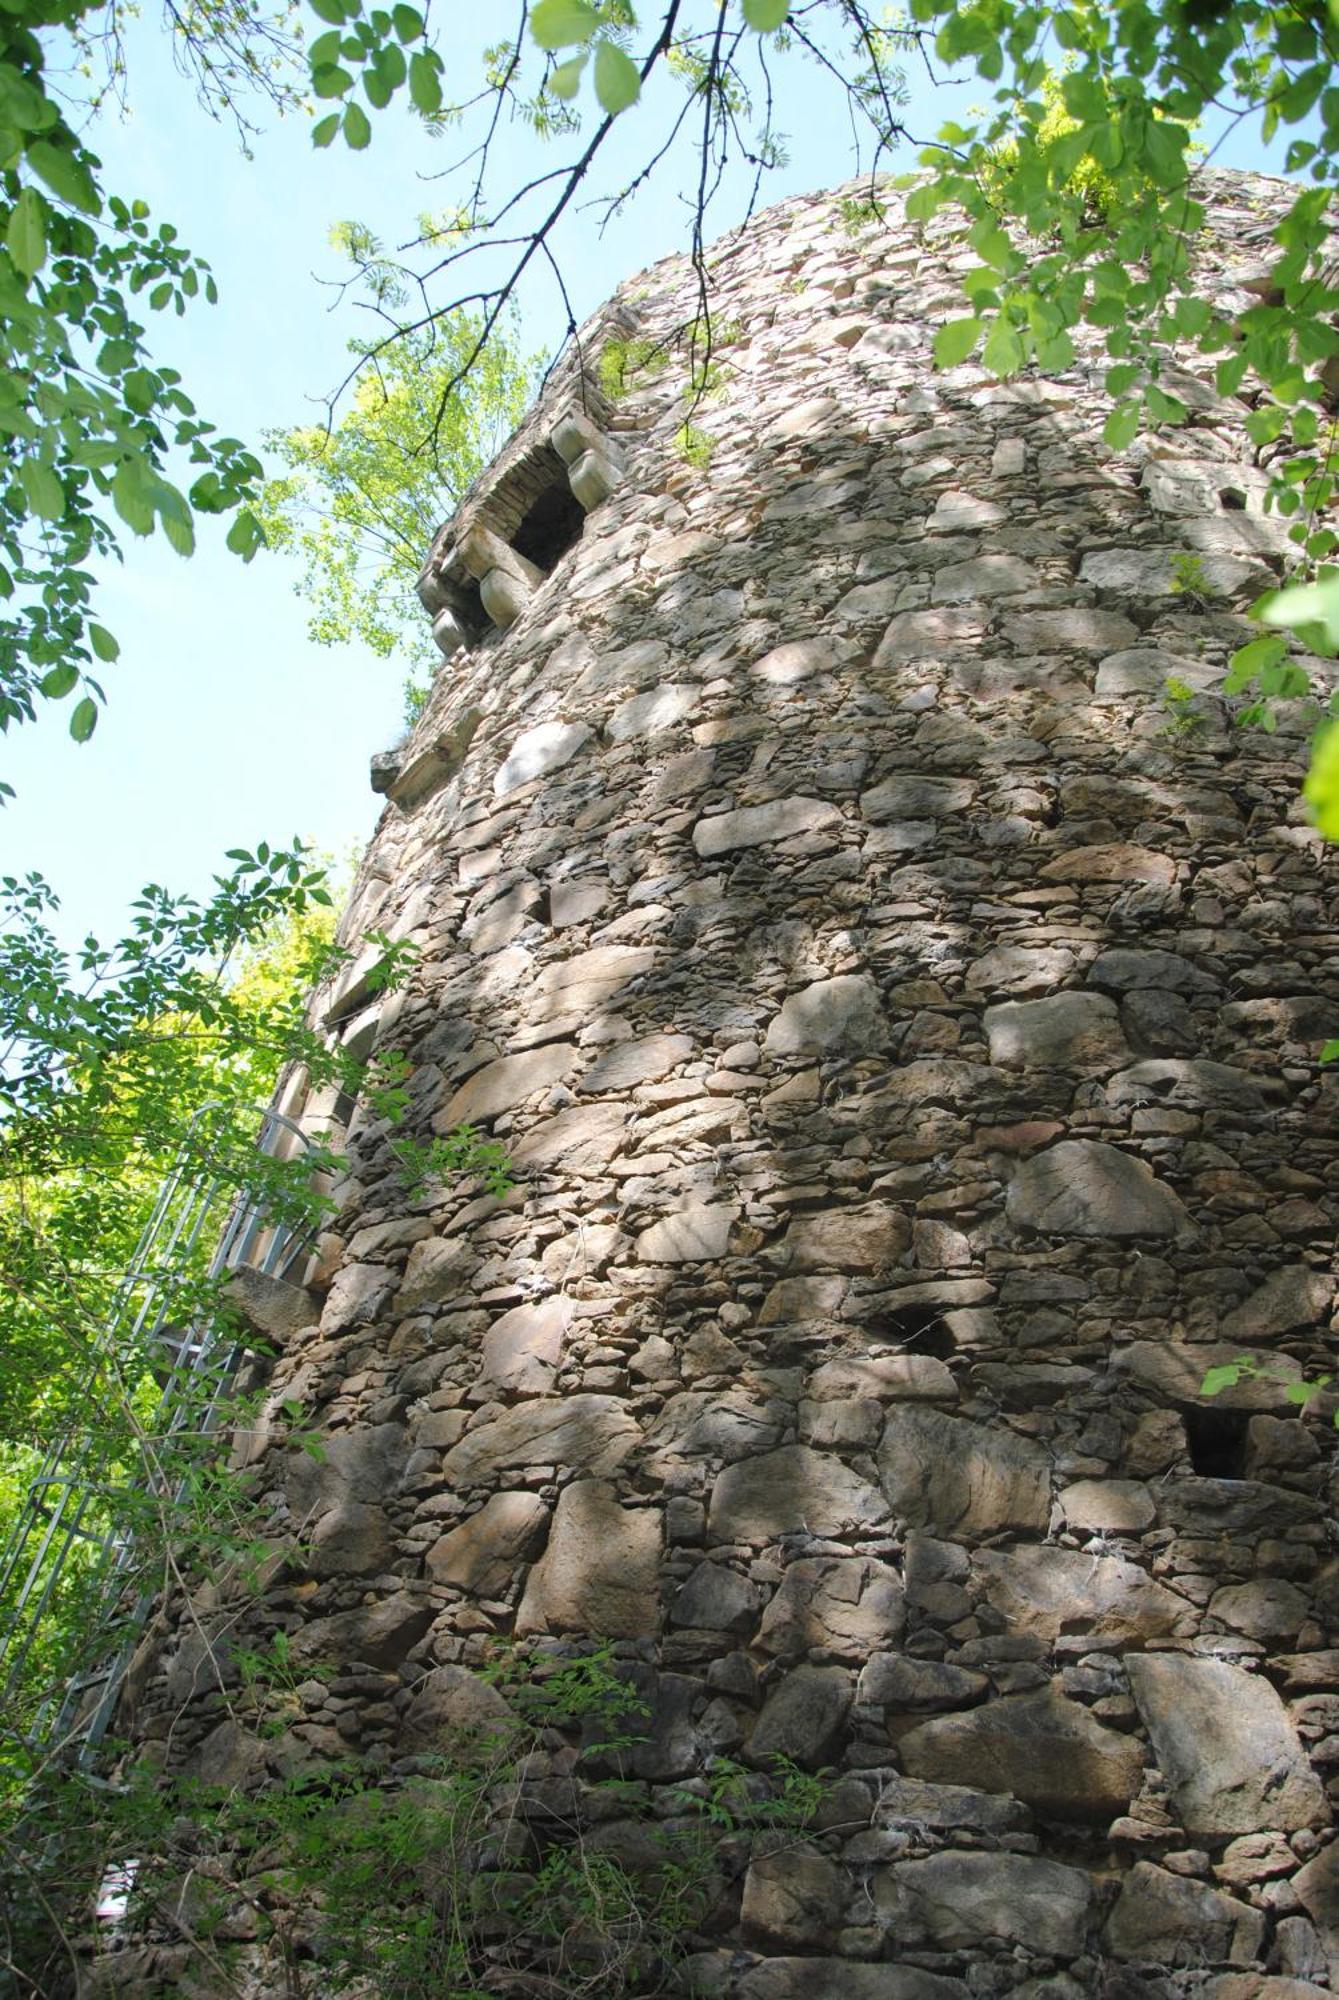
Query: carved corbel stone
x: 594, y: 462
x: 507, y: 581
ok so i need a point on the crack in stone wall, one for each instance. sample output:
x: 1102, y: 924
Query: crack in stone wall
x: 906, y: 1043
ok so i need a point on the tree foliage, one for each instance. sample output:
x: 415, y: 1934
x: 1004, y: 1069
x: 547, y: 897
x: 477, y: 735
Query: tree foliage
x: 363, y: 495
x: 96, y: 437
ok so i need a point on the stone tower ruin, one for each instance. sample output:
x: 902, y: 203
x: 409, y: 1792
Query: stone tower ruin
x: 898, y: 987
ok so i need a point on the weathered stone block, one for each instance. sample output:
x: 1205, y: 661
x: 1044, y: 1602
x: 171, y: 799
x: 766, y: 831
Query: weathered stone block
x: 960, y: 1902
x: 837, y: 1606
x: 694, y: 1234
x: 1082, y: 1187
x: 483, y: 1554
x: 791, y: 1491
x: 1042, y: 1748
x: 590, y: 1434
x: 1045, y: 1591
x: 523, y: 1350
x: 757, y: 826
x: 1064, y: 1031
x: 454, y: 1713
x: 961, y: 1479
x: 1294, y: 1297
x: 537, y: 753
x: 374, y: 1635
x: 870, y: 1237
x: 793, y: 1898
x: 601, y: 1570
x: 501, y: 1085
x: 1165, y: 1919
x: 1225, y: 1746
x: 802, y: 1719
x: 833, y: 1016
x: 649, y: 714
x: 844, y: 1979
x: 716, y: 1598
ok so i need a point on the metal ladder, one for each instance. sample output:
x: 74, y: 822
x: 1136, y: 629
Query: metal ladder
x: 66, y: 1513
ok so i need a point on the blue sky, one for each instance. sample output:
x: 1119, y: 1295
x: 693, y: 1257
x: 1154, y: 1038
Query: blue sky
x: 224, y: 724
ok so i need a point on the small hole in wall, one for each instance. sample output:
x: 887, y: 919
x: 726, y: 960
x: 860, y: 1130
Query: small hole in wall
x: 1217, y: 1440
x: 552, y: 526
x: 1233, y: 499
x: 915, y: 1329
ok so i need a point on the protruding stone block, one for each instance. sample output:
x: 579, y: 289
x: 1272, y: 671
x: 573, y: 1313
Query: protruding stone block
x: 504, y: 596
x: 575, y: 434
x: 1163, y: 1919
x: 482, y: 1554
x: 482, y: 551
x: 448, y: 632
x: 593, y: 478
x: 536, y: 752
x: 961, y: 1902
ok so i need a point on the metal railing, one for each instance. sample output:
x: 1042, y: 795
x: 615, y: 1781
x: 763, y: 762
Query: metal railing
x: 68, y: 1533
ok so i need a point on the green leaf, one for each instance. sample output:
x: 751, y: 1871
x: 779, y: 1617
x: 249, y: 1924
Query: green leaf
x: 617, y: 83
x: 325, y: 129
x: 1251, y: 660
x: 924, y: 202
x: 1329, y: 1052
x: 425, y: 82
x: 58, y: 683
x: 175, y: 516
x: 557, y: 24
x: 566, y: 78
x: 245, y: 535
x: 1321, y: 790
x: 766, y: 16
x: 329, y: 10
x: 331, y: 81
x: 991, y: 244
x: 955, y: 341
x: 65, y: 174
x: 104, y: 643
x: 83, y: 719
x: 1122, y: 426
x: 42, y: 490
x: 357, y: 131
x: 1225, y: 1376
x: 1003, y: 351
x: 408, y: 23
x: 25, y: 238
x: 131, y: 497
x: 1304, y: 605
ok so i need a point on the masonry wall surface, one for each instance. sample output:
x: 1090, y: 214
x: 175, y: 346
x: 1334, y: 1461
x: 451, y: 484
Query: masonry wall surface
x: 903, y: 1017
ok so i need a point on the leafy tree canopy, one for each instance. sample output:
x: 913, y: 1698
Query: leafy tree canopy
x: 96, y: 438
x: 363, y: 495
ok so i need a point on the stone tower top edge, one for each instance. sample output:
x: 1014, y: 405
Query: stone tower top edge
x: 565, y: 457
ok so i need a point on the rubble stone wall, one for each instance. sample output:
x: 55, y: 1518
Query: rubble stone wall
x: 903, y: 1018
